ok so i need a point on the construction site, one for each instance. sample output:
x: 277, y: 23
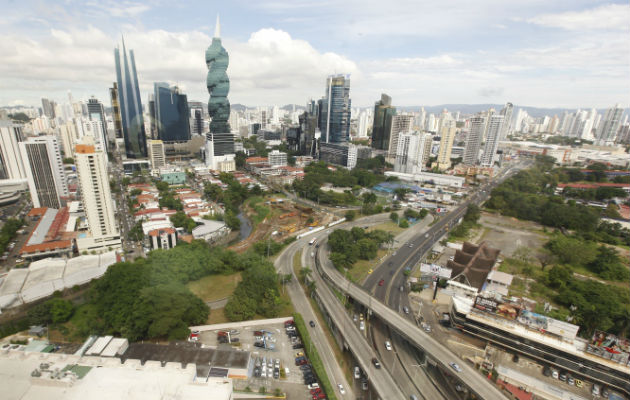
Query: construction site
x: 283, y: 218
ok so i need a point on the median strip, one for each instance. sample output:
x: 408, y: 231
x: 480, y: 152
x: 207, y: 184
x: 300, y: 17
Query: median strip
x: 313, y: 356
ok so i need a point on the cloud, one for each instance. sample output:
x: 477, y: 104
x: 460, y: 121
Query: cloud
x: 491, y: 91
x: 605, y: 17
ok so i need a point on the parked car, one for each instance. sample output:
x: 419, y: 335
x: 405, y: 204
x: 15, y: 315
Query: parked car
x: 406, y: 310
x: 364, y: 384
x: 357, y: 372
x: 563, y: 376
x: 313, y: 386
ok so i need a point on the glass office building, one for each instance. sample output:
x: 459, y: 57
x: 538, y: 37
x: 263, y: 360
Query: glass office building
x: 171, y: 113
x: 130, y: 104
x: 335, y: 110
x: 382, y: 126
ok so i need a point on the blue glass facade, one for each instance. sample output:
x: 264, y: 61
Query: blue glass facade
x: 218, y: 84
x: 335, y: 110
x: 171, y: 113
x: 130, y: 104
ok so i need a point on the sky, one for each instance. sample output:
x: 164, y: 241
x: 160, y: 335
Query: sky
x: 560, y: 53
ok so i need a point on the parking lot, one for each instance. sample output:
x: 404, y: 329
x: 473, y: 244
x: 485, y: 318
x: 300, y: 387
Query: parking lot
x: 270, y: 346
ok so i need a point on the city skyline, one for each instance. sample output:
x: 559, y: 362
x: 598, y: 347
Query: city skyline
x: 546, y: 55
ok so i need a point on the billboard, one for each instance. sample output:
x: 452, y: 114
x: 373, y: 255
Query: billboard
x: 434, y: 269
x: 505, y: 310
x: 545, y: 324
x: 609, y: 346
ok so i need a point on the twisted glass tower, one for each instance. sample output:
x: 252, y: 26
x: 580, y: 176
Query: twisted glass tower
x: 130, y: 104
x: 218, y: 83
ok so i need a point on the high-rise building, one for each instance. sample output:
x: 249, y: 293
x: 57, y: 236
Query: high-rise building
x: 401, y: 123
x: 196, y: 117
x: 447, y: 136
x: 171, y: 113
x: 336, y: 114
x: 413, y: 152
x: 495, y: 130
x: 156, y: 153
x: 96, y: 112
x: 609, y: 125
x: 113, y: 96
x: 130, y: 104
x: 362, y: 125
x: 48, y: 108
x: 96, y: 197
x: 218, y: 84
x: 507, y: 124
x: 382, y: 125
x: 308, y: 126
x: 473, y: 140
x: 11, y: 163
x: 44, y: 171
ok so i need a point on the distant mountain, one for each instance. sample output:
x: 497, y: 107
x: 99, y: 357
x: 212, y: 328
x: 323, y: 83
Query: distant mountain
x: 289, y: 107
x: 238, y: 107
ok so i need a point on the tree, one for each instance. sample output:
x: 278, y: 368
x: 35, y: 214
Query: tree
x: 162, y: 186
x: 607, y: 264
x: 404, y: 224
x: 68, y: 160
x: 304, y: 273
x: 570, y: 250
x: 136, y: 233
x: 240, y: 158
x: 472, y: 213
x: 545, y: 258
x: 558, y: 276
x: 60, y: 310
x: 350, y: 215
x: 231, y: 220
x: 181, y: 220
x: 165, y: 311
x: 401, y: 193
x: 394, y: 216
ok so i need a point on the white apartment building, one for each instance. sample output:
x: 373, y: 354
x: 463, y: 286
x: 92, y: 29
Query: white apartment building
x: 400, y: 124
x: 11, y: 165
x: 44, y: 171
x: 495, y: 130
x: 277, y: 158
x: 97, y: 199
x: 155, y: 149
x: 473, y: 140
x: 414, y: 150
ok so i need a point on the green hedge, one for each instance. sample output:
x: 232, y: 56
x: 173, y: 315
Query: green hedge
x: 313, y: 356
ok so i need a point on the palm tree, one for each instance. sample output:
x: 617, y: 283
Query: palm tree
x: 305, y: 272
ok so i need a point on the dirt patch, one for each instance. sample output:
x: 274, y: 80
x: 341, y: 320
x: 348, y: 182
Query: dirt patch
x: 510, y: 234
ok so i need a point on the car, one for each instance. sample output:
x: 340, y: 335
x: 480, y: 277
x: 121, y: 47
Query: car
x: 299, y: 354
x: 364, y: 384
x: 579, y: 383
x: 413, y: 397
x: 234, y: 332
x: 410, y: 245
x: 455, y: 367
x: 312, y: 324
x: 319, y: 396
x: 605, y: 392
x: 546, y: 371
x: 315, y: 391
x: 341, y: 389
x: 276, y: 373
x: 596, y: 390
x: 381, y: 282
x: 357, y: 372
x: 354, y: 318
x: 313, y: 386
x: 298, y: 346
x: 377, y: 364
x: 563, y: 376
x: 427, y: 328
x: 406, y: 309
x: 515, y: 358
x: 361, y: 317
x: 370, y: 271
x: 402, y: 288
x: 305, y: 367
x: 361, y: 325
x: 388, y: 345
x: 570, y: 380
x: 554, y: 374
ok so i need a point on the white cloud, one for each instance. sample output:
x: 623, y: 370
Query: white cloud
x: 605, y: 17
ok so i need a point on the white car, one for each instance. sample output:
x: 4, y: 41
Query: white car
x: 313, y: 386
x: 388, y: 345
x: 341, y: 389
x: 362, y: 325
x: 455, y: 367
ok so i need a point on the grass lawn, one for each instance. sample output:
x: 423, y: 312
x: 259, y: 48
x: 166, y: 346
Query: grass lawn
x: 217, y: 317
x: 388, y: 226
x: 214, y: 287
x: 359, y: 270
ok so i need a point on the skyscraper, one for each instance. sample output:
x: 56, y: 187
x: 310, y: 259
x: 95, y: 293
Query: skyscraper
x: 609, y: 125
x: 413, y: 152
x: 335, y: 115
x: 447, y: 135
x: 473, y: 140
x: 495, y: 130
x: 382, y: 125
x: 96, y: 112
x: 48, y: 108
x: 44, y: 171
x: 11, y: 164
x: 196, y: 117
x: 96, y: 198
x: 113, y: 95
x: 171, y: 113
x: 507, y: 124
x: 218, y: 83
x: 130, y: 104
x: 401, y: 123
